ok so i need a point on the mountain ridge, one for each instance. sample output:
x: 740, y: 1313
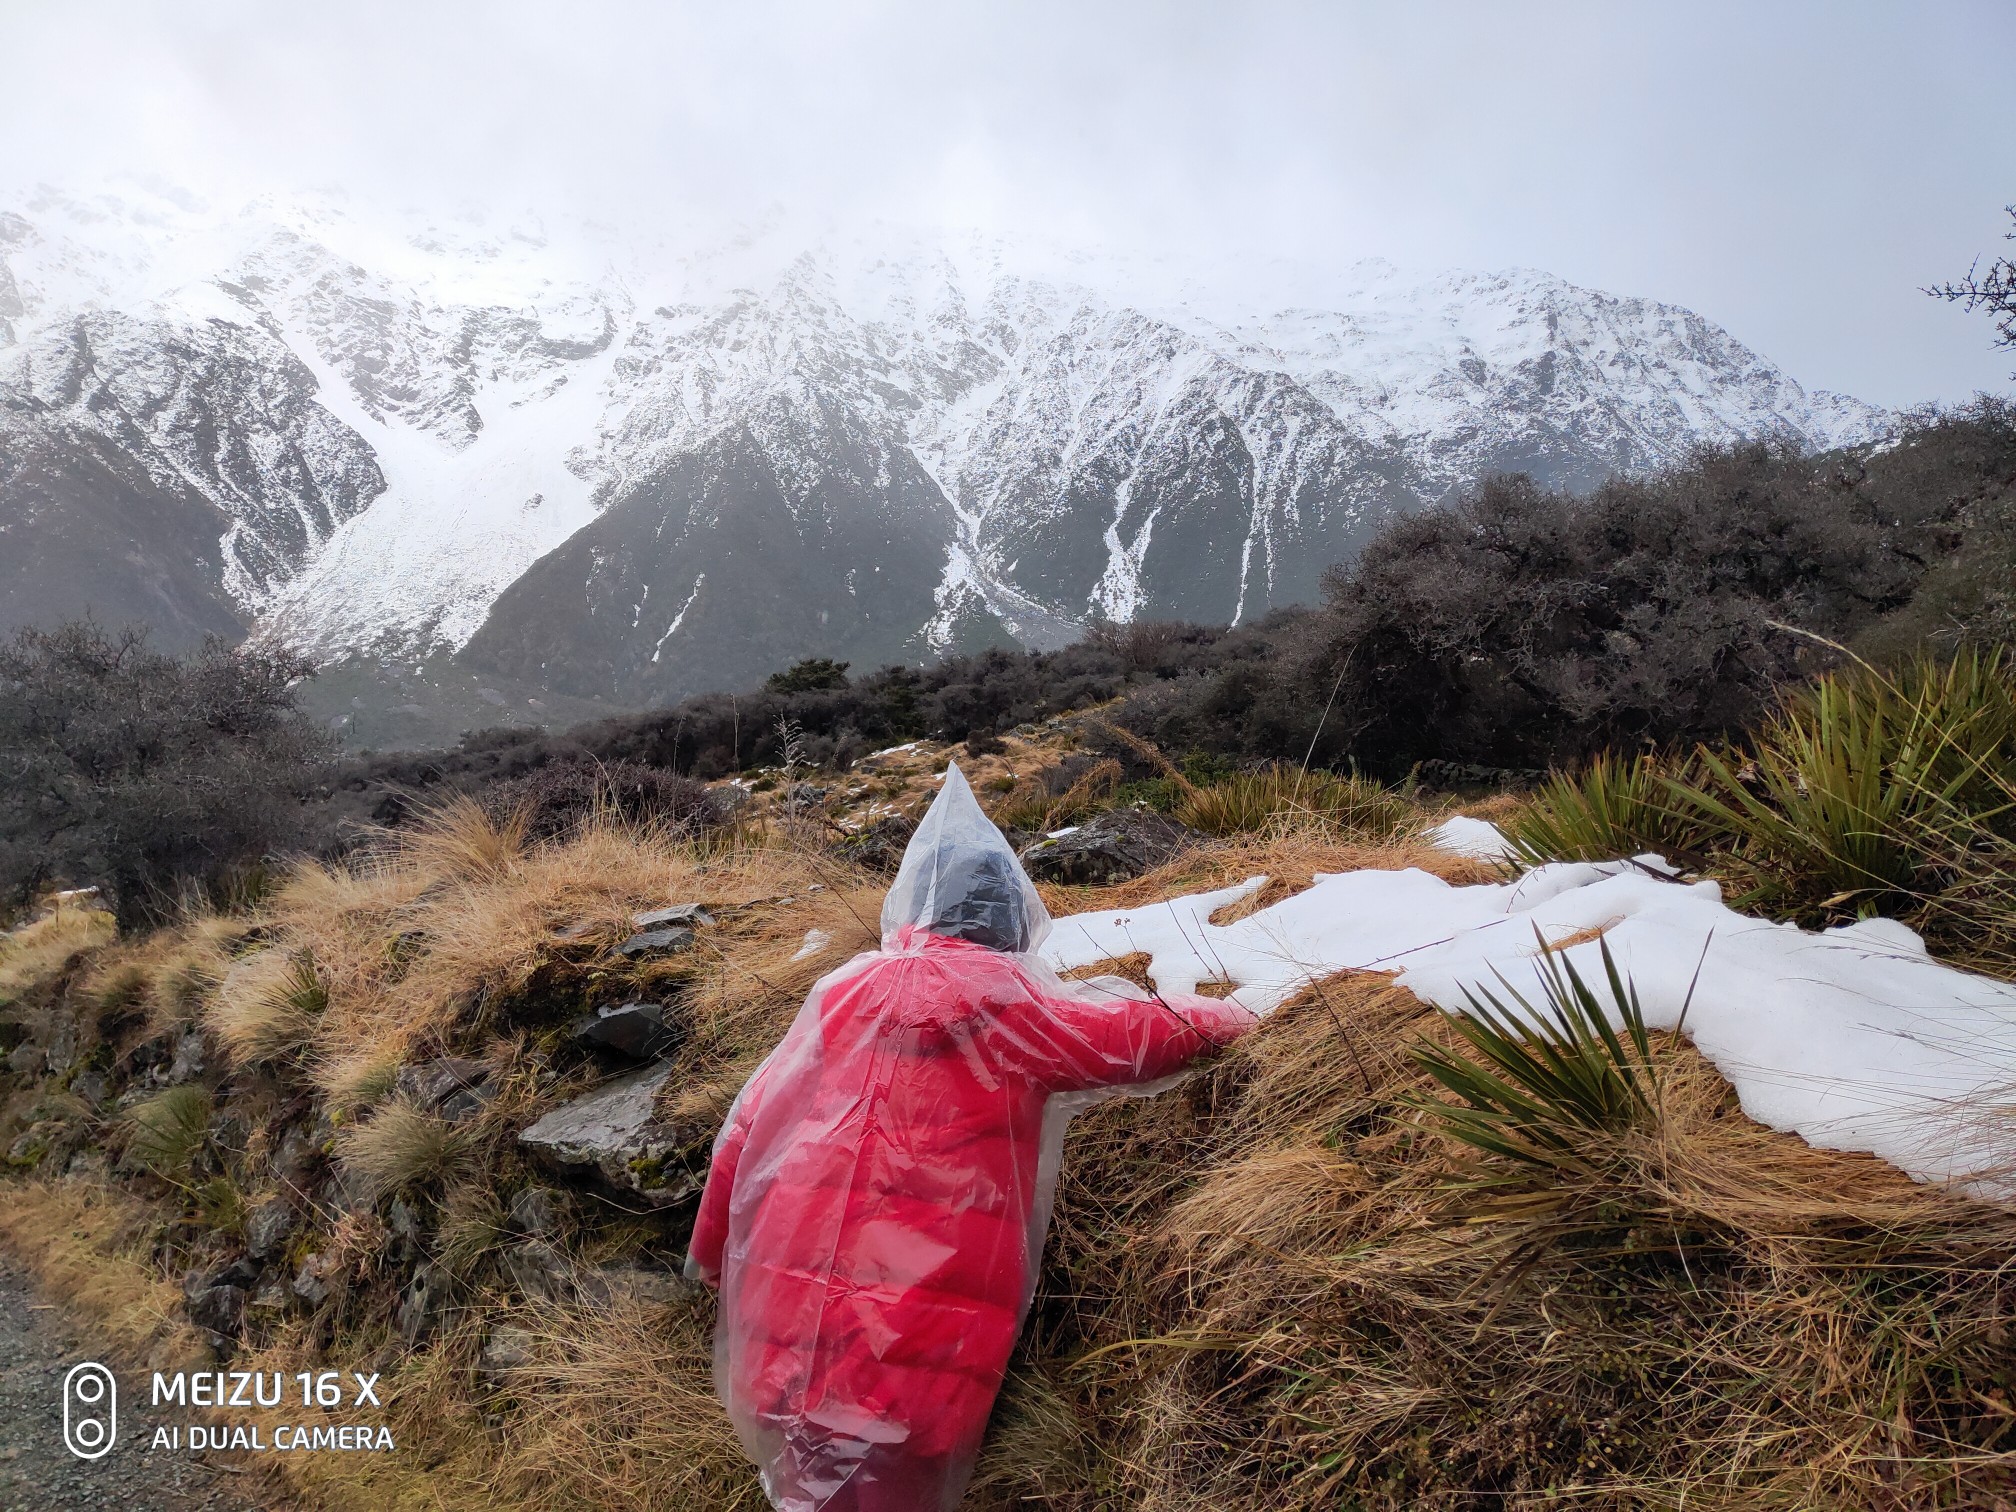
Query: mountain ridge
x: 627, y: 475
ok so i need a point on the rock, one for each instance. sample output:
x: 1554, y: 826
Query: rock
x: 271, y: 1297
x: 611, y: 1136
x: 93, y: 1087
x: 241, y: 1272
x: 635, y: 1030
x: 188, y: 1062
x: 1112, y: 847
x: 87, y: 1165
x: 432, y: 1083
x: 880, y: 846
x: 309, y: 1283
x: 692, y: 915
x: 465, y: 1102
x: 65, y: 1044
x: 59, y: 1140
x: 420, y: 1303
x: 220, y: 1309
x: 347, y: 1190
x: 507, y: 1348
x: 27, y: 1060
x: 29, y: 1150
x: 656, y: 942
x: 541, y: 1269
x: 535, y: 1212
x: 610, y: 1284
x: 294, y: 1159
x: 402, y: 1223
x: 149, y: 1058
x: 267, y: 1228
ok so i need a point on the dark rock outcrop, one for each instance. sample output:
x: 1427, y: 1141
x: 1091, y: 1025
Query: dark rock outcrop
x: 1113, y: 847
x: 634, y: 1031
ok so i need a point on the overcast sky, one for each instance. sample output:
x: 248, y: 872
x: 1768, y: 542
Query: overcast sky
x: 1792, y: 171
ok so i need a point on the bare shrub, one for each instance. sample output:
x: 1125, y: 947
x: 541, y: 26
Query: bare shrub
x: 143, y: 771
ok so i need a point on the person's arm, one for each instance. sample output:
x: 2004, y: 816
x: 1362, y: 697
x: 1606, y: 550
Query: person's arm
x: 1120, y: 1041
x: 710, y: 1227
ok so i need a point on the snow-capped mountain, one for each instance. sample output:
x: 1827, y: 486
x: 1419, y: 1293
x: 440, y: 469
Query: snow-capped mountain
x: 594, y: 464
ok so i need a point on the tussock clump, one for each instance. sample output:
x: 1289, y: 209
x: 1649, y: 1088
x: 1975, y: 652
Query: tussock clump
x: 1211, y: 795
x: 402, y: 1147
x: 183, y: 965
x: 1283, y: 797
x: 166, y: 1133
x: 1287, y: 1294
x: 617, y: 1411
x: 36, y: 953
x: 559, y: 798
x: 361, y: 1079
x: 1870, y: 792
x: 1615, y: 806
x: 267, y: 1006
x: 465, y: 841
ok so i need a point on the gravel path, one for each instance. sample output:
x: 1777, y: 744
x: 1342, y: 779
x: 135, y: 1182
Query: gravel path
x: 38, y: 1474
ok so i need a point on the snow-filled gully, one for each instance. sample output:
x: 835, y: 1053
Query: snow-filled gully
x: 1853, y: 1038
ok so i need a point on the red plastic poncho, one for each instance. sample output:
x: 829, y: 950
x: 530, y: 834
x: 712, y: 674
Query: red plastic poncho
x: 879, y: 1194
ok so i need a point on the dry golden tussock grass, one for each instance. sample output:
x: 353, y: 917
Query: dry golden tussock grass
x: 1281, y: 1298
x: 1269, y: 1288
x: 402, y: 1147
x: 86, y: 1244
x: 184, y: 965
x: 267, y: 1007
x: 616, y: 1411
x: 416, y: 946
x: 33, y: 954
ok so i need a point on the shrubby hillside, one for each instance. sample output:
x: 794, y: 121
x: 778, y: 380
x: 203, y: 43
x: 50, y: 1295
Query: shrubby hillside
x: 1522, y: 628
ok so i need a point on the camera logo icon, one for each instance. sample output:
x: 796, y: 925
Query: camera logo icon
x: 90, y: 1410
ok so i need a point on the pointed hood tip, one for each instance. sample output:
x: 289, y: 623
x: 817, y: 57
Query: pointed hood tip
x: 961, y: 878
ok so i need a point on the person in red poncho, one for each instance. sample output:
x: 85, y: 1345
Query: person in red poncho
x: 878, y: 1197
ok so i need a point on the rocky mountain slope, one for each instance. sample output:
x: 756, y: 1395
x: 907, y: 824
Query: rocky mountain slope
x: 587, y: 463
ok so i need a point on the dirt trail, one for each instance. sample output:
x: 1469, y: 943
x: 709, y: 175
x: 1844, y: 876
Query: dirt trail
x: 38, y: 1344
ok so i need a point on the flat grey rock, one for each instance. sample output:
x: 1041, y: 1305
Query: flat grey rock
x: 267, y: 1228
x: 610, y: 1284
x: 657, y: 942
x: 693, y: 915
x: 508, y: 1348
x: 610, y: 1135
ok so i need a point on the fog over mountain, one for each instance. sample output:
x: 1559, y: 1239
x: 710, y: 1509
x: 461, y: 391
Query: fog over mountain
x: 607, y: 467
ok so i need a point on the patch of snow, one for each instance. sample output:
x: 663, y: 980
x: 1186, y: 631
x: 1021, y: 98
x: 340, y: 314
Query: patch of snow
x: 1852, y: 1038
x: 1479, y: 839
x: 680, y: 618
x: 816, y: 940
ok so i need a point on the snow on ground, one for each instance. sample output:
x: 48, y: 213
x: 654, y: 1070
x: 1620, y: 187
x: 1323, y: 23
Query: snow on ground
x: 1478, y: 839
x: 1853, y: 1038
